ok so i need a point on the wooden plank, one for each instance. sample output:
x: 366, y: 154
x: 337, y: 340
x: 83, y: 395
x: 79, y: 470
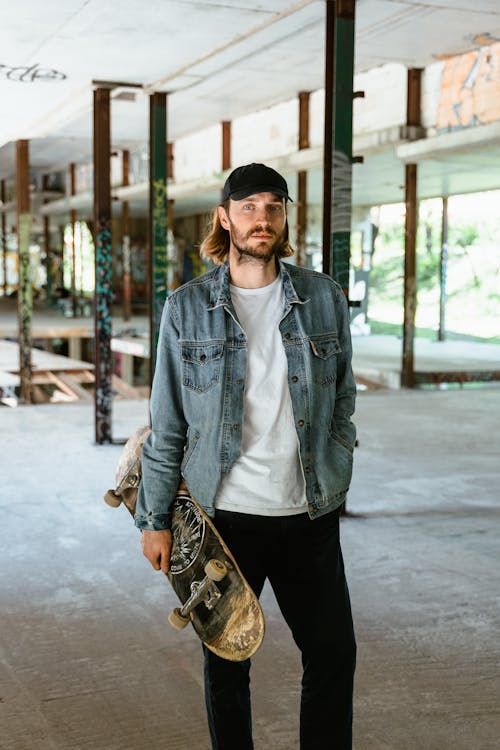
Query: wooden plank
x: 62, y: 386
x: 72, y: 382
x: 41, y: 360
x: 45, y: 377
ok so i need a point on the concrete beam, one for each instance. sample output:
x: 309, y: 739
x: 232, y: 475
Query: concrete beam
x: 444, y: 144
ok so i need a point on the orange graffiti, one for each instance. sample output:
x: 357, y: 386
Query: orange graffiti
x: 470, y: 89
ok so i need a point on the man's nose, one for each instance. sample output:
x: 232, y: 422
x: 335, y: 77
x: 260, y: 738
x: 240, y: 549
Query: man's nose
x: 262, y: 217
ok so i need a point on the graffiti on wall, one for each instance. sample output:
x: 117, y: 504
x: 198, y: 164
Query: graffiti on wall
x: 103, y: 297
x: 29, y: 73
x: 470, y: 87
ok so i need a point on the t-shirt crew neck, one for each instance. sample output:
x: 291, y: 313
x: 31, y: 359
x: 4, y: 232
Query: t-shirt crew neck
x: 267, y: 479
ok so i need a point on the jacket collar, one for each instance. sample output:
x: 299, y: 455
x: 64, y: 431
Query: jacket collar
x: 220, y: 294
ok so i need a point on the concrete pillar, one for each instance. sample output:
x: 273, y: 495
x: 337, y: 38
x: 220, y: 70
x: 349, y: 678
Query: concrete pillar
x: 103, y: 266
x: 75, y: 348
x: 413, y: 117
x: 301, y: 226
x: 337, y: 200
x: 158, y: 216
x: 25, y: 293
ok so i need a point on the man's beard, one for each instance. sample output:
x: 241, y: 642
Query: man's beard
x: 247, y: 253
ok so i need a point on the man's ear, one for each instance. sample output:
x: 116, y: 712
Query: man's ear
x: 223, y: 218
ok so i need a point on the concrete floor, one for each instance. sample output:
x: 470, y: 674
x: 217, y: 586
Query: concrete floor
x: 88, y: 661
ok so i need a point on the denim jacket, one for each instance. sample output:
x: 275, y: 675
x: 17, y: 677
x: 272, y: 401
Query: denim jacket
x: 199, y: 384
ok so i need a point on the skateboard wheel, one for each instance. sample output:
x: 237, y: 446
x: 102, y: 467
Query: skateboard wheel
x: 177, y: 620
x: 111, y: 499
x: 215, y: 570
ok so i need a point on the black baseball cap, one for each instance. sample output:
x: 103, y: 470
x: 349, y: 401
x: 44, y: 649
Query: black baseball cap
x: 254, y: 178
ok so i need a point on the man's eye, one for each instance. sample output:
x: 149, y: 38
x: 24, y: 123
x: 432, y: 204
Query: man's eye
x: 247, y: 207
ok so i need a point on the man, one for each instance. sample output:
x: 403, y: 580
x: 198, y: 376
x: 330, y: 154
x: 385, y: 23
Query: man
x: 251, y: 405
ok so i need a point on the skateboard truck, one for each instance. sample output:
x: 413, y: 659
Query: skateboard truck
x: 201, y: 591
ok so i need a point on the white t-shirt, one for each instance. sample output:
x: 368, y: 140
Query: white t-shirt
x: 267, y: 479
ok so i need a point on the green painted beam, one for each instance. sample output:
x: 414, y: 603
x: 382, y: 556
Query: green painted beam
x: 343, y: 50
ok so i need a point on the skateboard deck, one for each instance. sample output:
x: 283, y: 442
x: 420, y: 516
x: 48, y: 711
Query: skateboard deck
x: 214, y: 595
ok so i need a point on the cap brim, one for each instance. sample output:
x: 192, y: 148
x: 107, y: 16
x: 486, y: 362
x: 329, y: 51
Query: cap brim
x: 239, y: 195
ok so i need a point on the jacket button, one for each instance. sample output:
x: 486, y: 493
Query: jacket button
x: 288, y: 335
x: 300, y: 422
x: 235, y: 426
x: 203, y: 358
x: 307, y: 469
x: 239, y: 381
x: 295, y: 379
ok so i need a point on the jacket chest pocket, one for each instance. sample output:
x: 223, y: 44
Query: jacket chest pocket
x: 325, y: 350
x: 201, y: 364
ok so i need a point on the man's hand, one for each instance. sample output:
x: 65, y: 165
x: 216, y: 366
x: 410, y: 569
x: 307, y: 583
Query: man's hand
x: 157, y: 546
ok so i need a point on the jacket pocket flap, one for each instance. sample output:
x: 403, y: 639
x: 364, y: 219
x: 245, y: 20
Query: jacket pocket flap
x: 201, y: 353
x: 325, y: 347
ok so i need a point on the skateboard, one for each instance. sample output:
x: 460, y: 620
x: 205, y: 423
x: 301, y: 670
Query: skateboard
x: 214, y: 595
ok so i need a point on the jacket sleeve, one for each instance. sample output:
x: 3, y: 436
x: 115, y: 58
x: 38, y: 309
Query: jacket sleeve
x: 346, y: 386
x: 163, y: 450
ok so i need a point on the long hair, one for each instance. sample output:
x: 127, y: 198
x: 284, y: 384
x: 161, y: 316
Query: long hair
x: 215, y: 246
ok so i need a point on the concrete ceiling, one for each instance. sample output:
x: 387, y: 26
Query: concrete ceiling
x: 218, y: 59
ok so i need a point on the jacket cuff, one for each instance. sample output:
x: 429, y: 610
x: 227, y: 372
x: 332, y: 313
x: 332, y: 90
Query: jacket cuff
x: 154, y: 521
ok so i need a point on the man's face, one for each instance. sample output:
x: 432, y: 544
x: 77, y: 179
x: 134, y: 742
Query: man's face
x: 256, y: 225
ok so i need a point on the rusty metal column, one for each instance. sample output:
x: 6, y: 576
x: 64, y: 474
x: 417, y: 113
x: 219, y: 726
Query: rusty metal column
x: 173, y: 260
x: 443, y: 267
x: 3, y: 231
x: 73, y: 220
x: 126, y: 263
x: 25, y: 293
x: 226, y: 145
x: 301, y: 225
x: 103, y: 265
x: 158, y: 217
x: 413, y: 117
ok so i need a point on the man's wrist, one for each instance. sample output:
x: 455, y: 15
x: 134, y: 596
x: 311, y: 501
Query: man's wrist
x: 154, y: 521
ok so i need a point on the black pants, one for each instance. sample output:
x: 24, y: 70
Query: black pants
x: 303, y: 561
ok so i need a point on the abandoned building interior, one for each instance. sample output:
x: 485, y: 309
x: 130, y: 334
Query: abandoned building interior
x: 120, y: 123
